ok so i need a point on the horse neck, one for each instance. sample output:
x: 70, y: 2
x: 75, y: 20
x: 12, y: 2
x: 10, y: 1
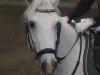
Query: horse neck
x: 68, y: 37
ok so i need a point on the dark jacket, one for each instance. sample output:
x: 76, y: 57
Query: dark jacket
x: 82, y: 7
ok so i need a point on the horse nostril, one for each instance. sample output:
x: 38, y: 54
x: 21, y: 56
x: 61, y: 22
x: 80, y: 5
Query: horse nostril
x: 54, y: 63
x: 43, y: 67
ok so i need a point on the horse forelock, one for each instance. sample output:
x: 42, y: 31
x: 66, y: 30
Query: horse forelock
x: 35, y: 4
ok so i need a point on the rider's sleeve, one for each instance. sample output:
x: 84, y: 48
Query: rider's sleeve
x: 97, y: 21
x: 81, y: 8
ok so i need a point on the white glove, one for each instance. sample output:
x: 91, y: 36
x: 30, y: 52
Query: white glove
x: 84, y: 24
x: 66, y: 18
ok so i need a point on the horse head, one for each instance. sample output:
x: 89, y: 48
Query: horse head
x: 42, y: 20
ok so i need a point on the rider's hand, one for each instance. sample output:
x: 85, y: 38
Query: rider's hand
x: 84, y: 24
x: 66, y: 18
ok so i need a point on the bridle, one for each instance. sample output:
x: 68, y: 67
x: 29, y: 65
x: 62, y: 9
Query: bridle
x: 46, y: 50
x: 45, y: 10
x: 50, y: 50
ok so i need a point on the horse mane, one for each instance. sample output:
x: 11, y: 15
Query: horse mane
x: 34, y: 5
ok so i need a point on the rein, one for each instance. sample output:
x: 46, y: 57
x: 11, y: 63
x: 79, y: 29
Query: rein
x: 78, y: 61
x: 88, y: 38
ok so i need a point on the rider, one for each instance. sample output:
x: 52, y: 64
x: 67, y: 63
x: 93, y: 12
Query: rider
x: 81, y: 8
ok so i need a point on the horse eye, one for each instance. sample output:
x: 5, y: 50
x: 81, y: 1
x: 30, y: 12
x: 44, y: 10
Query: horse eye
x: 32, y: 24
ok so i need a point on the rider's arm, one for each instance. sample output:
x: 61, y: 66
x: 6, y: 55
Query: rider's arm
x: 97, y: 21
x: 81, y: 8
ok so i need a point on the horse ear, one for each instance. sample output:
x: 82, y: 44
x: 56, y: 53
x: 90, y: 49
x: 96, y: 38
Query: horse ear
x: 55, y: 2
x: 28, y: 1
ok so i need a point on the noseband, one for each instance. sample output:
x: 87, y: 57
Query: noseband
x: 45, y: 51
x: 45, y: 10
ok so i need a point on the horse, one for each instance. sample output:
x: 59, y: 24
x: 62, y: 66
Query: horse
x: 57, y: 48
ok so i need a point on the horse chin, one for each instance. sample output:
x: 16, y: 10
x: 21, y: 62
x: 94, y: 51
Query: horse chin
x: 49, y: 74
x: 48, y: 71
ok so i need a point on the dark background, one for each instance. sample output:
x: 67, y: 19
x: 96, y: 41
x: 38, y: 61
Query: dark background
x: 15, y: 58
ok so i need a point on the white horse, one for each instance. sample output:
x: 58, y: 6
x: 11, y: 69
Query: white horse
x: 42, y: 18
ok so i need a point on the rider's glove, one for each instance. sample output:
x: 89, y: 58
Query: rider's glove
x: 84, y: 24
